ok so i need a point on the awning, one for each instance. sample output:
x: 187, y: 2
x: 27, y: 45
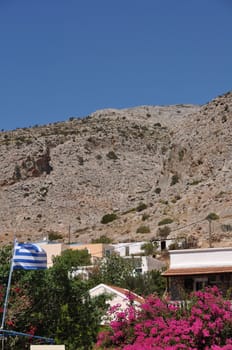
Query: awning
x: 197, y: 271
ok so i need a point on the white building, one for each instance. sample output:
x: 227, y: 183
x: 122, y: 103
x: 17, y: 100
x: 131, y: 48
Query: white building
x: 194, y: 269
x: 118, y: 297
x: 129, y: 248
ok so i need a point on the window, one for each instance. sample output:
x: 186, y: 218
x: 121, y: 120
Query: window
x: 188, y: 285
x: 216, y: 280
x: 200, y: 283
x: 127, y: 250
x: 163, y: 245
x: 107, y: 252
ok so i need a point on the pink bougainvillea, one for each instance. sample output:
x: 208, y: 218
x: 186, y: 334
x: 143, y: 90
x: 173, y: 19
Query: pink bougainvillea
x: 203, y: 323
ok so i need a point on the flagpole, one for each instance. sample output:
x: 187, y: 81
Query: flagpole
x: 7, y: 290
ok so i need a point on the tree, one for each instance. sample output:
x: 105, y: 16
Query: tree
x: 108, y: 218
x: 148, y: 283
x: 51, y: 304
x: 211, y: 217
x: 72, y: 259
x: 5, y: 257
x: 149, y: 248
x: 112, y: 270
x: 68, y: 312
x: 163, y: 232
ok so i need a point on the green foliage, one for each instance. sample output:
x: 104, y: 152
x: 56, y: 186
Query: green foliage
x: 157, y: 190
x: 112, y: 155
x: 175, y: 179
x: 17, y: 172
x: 108, y: 218
x: 141, y: 207
x: 5, y: 257
x: 151, y: 282
x: 212, y: 216
x: 113, y: 270
x: 181, y: 154
x: 163, y: 232
x: 53, y: 236
x: 202, y: 323
x: 71, y: 259
x: 53, y: 304
x: 149, y: 248
x: 102, y: 239
x: 145, y: 217
x: 131, y: 210
x: 143, y: 229
x: 165, y: 221
x: 80, y: 160
x: 58, y: 306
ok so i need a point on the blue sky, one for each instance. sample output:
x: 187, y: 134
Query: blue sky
x: 64, y: 58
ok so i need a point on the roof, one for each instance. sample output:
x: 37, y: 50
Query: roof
x: 197, y: 271
x: 125, y: 292
x: 197, y: 250
x: 119, y: 291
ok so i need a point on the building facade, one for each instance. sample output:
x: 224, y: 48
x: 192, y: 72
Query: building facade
x: 193, y: 269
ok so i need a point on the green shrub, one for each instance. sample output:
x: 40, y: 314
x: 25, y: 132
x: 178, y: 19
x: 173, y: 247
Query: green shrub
x: 108, y: 218
x: 102, y: 239
x: 141, y: 207
x: 145, y: 217
x: 175, y: 179
x: 131, y: 210
x: 143, y: 229
x: 17, y: 172
x: 212, y: 216
x: 163, y: 232
x: 181, y: 154
x: 157, y: 190
x: 149, y: 248
x: 112, y: 155
x: 53, y: 236
x: 165, y: 222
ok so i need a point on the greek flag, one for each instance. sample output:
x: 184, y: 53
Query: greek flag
x: 28, y: 256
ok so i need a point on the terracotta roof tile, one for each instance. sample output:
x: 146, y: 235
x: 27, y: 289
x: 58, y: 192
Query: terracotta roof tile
x: 124, y: 291
x: 197, y: 271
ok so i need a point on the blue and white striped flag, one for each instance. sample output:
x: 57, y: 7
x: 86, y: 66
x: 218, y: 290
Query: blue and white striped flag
x: 28, y: 256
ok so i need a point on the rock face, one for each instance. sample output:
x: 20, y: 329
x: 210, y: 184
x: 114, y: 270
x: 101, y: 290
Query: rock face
x: 144, y: 165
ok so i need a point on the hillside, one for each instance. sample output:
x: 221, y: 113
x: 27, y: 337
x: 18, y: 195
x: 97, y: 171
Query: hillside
x: 143, y: 164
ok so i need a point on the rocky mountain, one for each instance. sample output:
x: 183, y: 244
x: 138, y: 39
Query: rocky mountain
x: 121, y: 174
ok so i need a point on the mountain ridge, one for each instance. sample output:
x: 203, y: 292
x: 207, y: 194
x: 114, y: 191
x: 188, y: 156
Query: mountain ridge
x: 65, y: 177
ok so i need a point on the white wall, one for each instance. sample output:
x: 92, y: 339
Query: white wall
x: 116, y: 298
x: 190, y: 258
x: 134, y: 248
x: 47, y: 347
